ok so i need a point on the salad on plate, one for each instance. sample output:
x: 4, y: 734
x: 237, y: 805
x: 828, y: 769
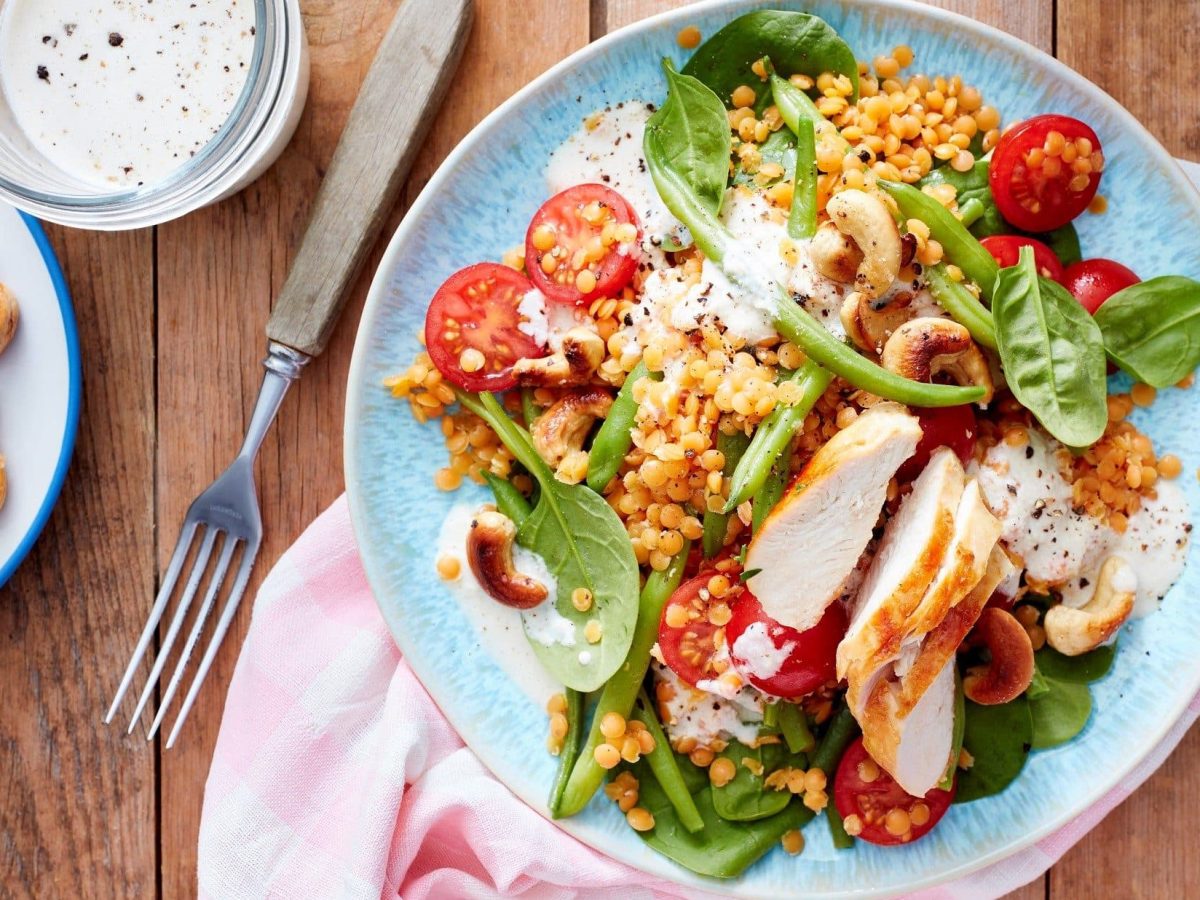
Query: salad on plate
x: 810, y: 487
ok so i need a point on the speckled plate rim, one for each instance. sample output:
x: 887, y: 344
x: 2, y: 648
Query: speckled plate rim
x: 378, y: 295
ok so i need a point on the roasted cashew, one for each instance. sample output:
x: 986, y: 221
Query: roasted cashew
x: 489, y: 553
x: 833, y: 254
x: 869, y: 324
x: 9, y: 314
x: 561, y: 429
x: 863, y: 218
x: 581, y: 354
x: 1010, y: 670
x: 1073, y: 631
x: 922, y: 348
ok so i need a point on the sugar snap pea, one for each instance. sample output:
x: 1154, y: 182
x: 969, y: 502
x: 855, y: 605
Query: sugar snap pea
x: 615, y: 436
x: 509, y: 500
x: 959, y: 246
x: 775, y: 432
x: 621, y: 689
x: 666, y: 768
x: 732, y: 446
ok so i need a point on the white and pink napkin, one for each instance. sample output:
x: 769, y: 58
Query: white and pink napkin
x: 336, y: 776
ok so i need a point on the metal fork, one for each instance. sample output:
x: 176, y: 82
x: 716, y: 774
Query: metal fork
x: 390, y: 118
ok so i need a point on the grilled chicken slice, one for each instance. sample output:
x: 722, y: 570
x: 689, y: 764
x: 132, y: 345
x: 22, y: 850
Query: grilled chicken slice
x: 908, y: 720
x: 910, y: 555
x: 809, y: 544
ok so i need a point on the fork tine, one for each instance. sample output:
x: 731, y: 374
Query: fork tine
x: 231, y: 605
x: 189, y: 594
x: 156, y: 611
x: 214, y: 587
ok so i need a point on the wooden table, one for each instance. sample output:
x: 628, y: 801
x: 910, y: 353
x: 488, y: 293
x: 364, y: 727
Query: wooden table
x: 171, y: 325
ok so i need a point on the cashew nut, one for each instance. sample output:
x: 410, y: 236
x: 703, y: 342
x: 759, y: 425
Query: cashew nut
x: 9, y: 314
x: 1072, y: 631
x: 833, y: 254
x: 489, y: 553
x: 581, y: 354
x: 869, y: 324
x: 1010, y: 670
x: 561, y: 429
x: 922, y: 348
x: 863, y: 218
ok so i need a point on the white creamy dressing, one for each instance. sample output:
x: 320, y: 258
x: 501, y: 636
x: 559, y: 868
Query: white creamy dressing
x: 607, y: 149
x: 1025, y: 487
x: 704, y: 716
x: 502, y: 640
x: 120, y: 93
x: 756, y: 653
x: 546, y: 322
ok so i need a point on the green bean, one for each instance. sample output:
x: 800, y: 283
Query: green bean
x: 570, y: 748
x: 837, y: 828
x: 802, y: 218
x: 615, y: 436
x: 529, y: 409
x: 773, y: 486
x: 841, y: 731
x: 799, y: 327
x: 621, y: 690
x: 970, y: 211
x: 959, y: 245
x: 770, y: 719
x: 666, y: 768
x: 509, y: 500
x: 774, y: 433
x: 793, y: 724
x: 953, y: 297
x: 732, y: 446
x: 794, y: 106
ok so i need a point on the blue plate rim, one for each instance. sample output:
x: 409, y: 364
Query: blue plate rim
x: 74, y: 397
x: 377, y: 298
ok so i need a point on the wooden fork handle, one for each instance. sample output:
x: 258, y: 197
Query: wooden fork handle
x: 390, y: 118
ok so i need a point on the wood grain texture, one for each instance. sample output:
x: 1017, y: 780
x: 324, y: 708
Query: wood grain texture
x: 1141, y: 52
x: 79, y: 798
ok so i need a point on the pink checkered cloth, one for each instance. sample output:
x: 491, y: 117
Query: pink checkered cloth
x: 336, y: 776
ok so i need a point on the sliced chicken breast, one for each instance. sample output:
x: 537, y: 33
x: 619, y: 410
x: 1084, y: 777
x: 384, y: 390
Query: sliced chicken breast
x: 914, y: 747
x: 808, y: 546
x: 910, y: 555
x: 976, y: 532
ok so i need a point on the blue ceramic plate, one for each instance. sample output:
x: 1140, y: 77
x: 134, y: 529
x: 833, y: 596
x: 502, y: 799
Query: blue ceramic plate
x: 478, y: 204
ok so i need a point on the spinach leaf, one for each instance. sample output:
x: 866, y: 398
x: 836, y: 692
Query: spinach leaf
x: 1059, y: 712
x: 583, y: 544
x: 796, y: 43
x: 779, y: 148
x: 693, y: 138
x: 745, y: 799
x: 1152, y: 329
x: 721, y: 849
x: 998, y: 738
x: 972, y: 185
x: 1064, y: 242
x: 1082, y: 669
x: 1052, y: 353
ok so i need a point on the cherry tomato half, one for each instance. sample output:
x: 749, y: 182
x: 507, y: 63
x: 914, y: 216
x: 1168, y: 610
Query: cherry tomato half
x: 476, y: 309
x: 1045, y: 171
x: 582, y: 244
x: 687, y: 629
x: 1092, y: 281
x: 947, y: 426
x: 872, y: 799
x: 811, y: 655
x: 1006, y: 248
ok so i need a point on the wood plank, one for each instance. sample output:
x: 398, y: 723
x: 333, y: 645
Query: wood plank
x: 79, y: 798
x: 219, y: 271
x: 1029, y: 20
x: 1140, y: 51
